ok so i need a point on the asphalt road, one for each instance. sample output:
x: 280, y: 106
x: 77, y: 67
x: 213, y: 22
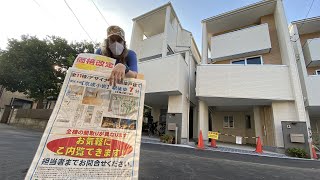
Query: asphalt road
x: 17, y: 148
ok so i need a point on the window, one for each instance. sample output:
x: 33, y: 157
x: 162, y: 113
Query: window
x: 317, y: 72
x: 246, y: 61
x: 248, y: 121
x: 254, y: 60
x: 228, y: 122
x: 239, y: 62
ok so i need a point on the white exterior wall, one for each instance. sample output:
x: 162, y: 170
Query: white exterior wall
x: 282, y: 111
x: 136, y: 38
x: 172, y: 33
x: 257, y: 81
x: 310, y: 84
x: 249, y: 41
x: 288, y: 57
x: 300, y: 59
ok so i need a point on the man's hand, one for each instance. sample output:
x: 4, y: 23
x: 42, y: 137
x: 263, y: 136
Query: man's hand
x: 117, y: 74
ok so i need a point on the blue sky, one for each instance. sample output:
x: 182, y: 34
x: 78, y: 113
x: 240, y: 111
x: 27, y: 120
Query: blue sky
x: 52, y: 17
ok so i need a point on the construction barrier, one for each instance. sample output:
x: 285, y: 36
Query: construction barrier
x: 215, y: 136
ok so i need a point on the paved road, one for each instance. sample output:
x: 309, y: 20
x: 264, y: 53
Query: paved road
x: 17, y: 148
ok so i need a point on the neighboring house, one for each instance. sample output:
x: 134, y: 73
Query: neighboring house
x: 248, y: 80
x: 168, y: 57
x: 15, y: 100
x: 10, y: 100
x: 306, y: 40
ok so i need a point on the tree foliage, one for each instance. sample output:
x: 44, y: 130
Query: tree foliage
x: 37, y: 67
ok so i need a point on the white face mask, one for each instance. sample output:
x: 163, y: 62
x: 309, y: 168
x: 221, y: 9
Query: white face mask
x: 116, y: 48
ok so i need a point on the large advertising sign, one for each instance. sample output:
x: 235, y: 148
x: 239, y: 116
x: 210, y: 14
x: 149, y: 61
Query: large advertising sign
x: 94, y: 131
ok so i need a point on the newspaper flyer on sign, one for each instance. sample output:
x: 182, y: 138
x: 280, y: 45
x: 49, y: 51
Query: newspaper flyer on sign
x: 94, y: 131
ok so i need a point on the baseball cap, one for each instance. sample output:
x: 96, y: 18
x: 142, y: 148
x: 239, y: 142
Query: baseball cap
x: 115, y: 30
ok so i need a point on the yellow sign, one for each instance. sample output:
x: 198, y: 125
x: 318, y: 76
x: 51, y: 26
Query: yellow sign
x: 94, y: 62
x: 213, y: 135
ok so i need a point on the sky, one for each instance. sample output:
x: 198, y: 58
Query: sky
x: 53, y: 17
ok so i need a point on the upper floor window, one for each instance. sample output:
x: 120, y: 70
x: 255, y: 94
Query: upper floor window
x: 251, y: 60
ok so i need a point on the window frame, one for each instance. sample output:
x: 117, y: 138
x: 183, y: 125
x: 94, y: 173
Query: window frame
x: 317, y: 72
x: 228, y: 123
x: 245, y: 60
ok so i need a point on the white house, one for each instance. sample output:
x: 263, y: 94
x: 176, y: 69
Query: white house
x: 248, y: 80
x: 305, y: 35
x: 168, y: 57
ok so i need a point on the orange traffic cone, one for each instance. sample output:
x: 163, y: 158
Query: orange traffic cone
x: 213, y: 143
x: 200, y: 141
x: 314, y: 154
x: 259, y: 146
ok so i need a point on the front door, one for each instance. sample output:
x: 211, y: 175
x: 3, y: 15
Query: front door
x: 6, y: 114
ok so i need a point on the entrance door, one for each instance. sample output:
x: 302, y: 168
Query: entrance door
x: 267, y: 126
x: 6, y: 114
x: 191, y: 122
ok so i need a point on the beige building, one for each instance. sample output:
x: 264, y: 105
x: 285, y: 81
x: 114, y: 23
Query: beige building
x: 10, y: 100
x: 305, y: 35
x: 245, y: 84
x: 248, y: 80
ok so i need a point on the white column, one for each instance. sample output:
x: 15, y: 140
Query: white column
x: 203, y: 121
x: 257, y: 122
x: 204, y: 44
x: 136, y: 37
x: 165, y: 33
x: 155, y: 112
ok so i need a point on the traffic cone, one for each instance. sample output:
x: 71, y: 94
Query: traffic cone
x: 259, y: 146
x: 213, y: 143
x: 314, y: 154
x: 200, y: 141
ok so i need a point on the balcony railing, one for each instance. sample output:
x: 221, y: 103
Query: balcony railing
x: 165, y: 75
x: 313, y: 89
x: 244, y: 42
x: 311, y: 52
x: 270, y: 82
x: 151, y: 47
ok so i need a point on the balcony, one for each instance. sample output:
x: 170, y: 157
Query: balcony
x: 165, y: 75
x: 250, y: 41
x: 151, y: 47
x: 313, y: 89
x: 311, y: 52
x: 260, y: 82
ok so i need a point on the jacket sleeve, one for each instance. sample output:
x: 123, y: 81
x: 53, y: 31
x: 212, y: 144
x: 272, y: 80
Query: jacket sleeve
x: 98, y: 51
x: 132, y: 61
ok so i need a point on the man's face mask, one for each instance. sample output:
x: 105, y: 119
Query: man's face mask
x: 116, y: 48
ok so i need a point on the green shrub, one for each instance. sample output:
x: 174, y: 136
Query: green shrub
x: 297, y: 152
x: 167, y: 138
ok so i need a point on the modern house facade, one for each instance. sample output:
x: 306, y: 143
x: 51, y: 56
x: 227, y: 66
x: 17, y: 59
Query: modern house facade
x: 168, y: 56
x: 248, y: 80
x: 305, y: 36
